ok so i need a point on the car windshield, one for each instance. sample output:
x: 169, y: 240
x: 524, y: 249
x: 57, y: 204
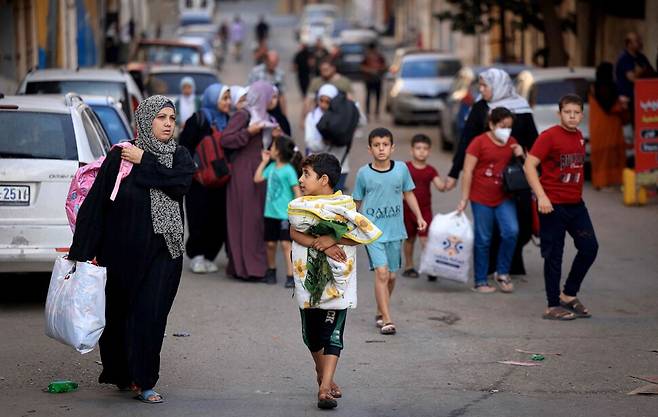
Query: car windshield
x: 37, y: 135
x: 351, y: 48
x: 168, y: 54
x: 168, y: 83
x: 114, y: 127
x: 195, y: 20
x: 550, y: 92
x: 430, y: 68
x: 115, y: 89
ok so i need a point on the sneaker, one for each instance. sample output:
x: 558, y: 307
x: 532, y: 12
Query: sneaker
x: 504, y: 283
x: 198, y: 265
x: 290, y: 282
x: 484, y: 289
x: 270, y: 276
x: 210, y: 266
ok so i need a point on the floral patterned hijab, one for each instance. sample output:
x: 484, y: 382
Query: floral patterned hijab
x: 165, y: 212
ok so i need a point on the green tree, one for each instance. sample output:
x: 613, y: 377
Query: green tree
x: 478, y: 16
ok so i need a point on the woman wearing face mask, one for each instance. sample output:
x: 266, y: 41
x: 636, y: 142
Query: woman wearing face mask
x: 497, y: 90
x: 249, y: 131
x: 486, y: 158
x: 206, y: 207
x: 138, y: 237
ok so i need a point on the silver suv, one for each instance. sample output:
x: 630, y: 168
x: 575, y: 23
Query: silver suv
x: 115, y: 83
x: 43, y: 141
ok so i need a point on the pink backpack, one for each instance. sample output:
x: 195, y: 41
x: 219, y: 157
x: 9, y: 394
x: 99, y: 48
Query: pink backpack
x: 84, y: 179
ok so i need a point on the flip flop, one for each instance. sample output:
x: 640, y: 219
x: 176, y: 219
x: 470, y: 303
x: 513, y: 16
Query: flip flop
x: 145, y: 397
x: 335, y: 391
x: 577, y: 308
x: 379, y: 320
x: 410, y: 273
x: 388, y: 328
x: 558, y: 313
x: 326, y: 401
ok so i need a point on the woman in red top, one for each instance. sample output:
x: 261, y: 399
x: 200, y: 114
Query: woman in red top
x: 486, y: 158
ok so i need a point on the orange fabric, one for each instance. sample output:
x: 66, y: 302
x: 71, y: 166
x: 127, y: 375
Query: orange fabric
x: 606, y: 138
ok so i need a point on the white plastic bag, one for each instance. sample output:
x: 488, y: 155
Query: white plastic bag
x: 75, y: 307
x: 449, y: 248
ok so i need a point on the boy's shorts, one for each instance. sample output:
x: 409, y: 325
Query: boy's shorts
x: 276, y: 230
x: 385, y: 254
x: 323, y: 329
x: 411, y: 225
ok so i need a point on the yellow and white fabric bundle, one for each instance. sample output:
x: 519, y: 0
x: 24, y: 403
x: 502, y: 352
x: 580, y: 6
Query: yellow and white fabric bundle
x: 311, y: 269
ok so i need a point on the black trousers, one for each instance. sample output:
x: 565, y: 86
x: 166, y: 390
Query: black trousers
x: 206, y: 220
x: 373, y: 87
x: 573, y: 219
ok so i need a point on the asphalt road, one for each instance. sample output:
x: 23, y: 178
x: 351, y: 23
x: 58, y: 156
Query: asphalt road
x: 245, y: 356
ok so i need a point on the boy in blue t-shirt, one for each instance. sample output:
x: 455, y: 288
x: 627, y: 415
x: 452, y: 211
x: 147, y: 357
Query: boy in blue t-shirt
x: 379, y: 190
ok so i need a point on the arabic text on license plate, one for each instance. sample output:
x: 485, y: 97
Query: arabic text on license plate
x: 14, y: 195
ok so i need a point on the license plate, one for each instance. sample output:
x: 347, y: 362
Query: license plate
x: 14, y: 195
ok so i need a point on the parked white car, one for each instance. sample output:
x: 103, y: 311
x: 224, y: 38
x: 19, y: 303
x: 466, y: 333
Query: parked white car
x: 544, y: 87
x: 118, y: 84
x: 43, y: 141
x: 111, y: 116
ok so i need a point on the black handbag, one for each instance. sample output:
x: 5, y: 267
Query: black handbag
x: 514, y: 179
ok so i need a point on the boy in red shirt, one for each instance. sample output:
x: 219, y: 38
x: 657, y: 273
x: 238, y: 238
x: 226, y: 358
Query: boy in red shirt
x: 424, y: 175
x: 561, y: 152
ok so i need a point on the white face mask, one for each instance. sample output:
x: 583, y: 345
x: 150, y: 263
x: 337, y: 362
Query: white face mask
x: 502, y: 133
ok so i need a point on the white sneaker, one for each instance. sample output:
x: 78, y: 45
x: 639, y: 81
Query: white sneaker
x: 198, y: 265
x: 210, y: 266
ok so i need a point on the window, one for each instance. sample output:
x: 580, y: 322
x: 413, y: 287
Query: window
x: 430, y: 68
x: 95, y: 141
x: 112, y: 123
x: 168, y: 83
x: 115, y: 89
x: 550, y: 92
x: 37, y: 135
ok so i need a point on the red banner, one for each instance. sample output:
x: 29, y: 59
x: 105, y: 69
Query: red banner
x: 646, y: 125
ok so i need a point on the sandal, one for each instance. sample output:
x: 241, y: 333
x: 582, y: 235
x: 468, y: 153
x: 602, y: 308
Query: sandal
x: 388, y: 328
x: 504, y: 283
x: 149, y: 396
x: 326, y: 401
x: 484, y: 289
x: 577, y: 308
x: 410, y: 273
x: 379, y: 321
x: 558, y: 313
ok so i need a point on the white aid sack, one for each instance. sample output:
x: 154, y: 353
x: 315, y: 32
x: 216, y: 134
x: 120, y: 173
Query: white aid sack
x: 449, y: 248
x: 75, y: 307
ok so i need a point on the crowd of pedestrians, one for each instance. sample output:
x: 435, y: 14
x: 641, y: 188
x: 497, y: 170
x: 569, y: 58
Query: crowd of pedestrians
x: 276, y: 195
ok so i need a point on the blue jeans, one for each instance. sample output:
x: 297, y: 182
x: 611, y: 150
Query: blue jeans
x: 573, y: 219
x: 504, y: 215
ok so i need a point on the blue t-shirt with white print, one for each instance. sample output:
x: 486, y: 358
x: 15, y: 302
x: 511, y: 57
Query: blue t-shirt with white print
x: 380, y: 193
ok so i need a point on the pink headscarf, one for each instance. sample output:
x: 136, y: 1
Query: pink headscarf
x: 258, y: 98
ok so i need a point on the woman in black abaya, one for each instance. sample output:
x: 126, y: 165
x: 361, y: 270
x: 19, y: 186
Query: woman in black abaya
x: 497, y: 90
x: 139, y: 238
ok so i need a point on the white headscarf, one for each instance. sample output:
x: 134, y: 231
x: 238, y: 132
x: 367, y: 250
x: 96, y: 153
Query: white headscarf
x: 186, y: 104
x: 503, y: 92
x: 237, y: 92
x: 312, y: 136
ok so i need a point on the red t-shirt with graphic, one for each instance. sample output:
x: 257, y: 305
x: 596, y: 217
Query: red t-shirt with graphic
x: 487, y: 185
x: 423, y: 179
x: 562, y: 156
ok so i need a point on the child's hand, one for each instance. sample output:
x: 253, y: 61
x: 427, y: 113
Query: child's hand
x: 336, y: 253
x: 517, y: 149
x: 277, y: 132
x: 422, y: 224
x: 544, y: 205
x: 323, y: 243
x: 265, y: 155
